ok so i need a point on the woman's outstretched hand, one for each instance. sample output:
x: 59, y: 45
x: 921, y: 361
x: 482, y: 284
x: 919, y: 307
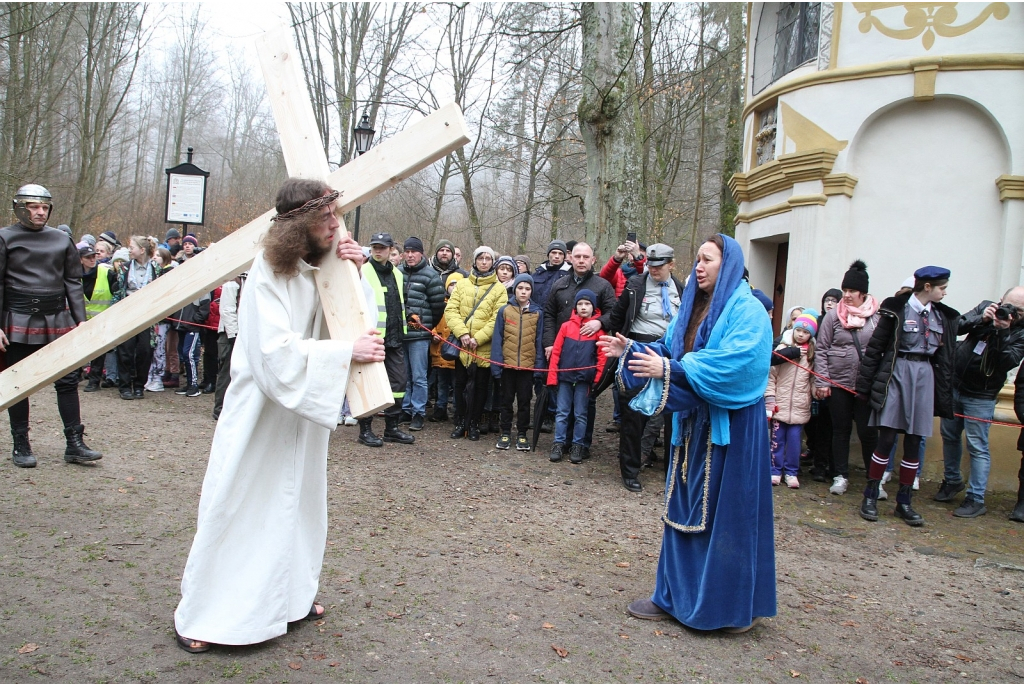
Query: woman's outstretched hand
x: 613, y: 345
x: 647, y: 364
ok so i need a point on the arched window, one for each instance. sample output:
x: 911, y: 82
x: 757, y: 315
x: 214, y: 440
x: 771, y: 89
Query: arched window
x: 787, y: 36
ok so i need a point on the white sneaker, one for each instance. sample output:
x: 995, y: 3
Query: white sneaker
x: 882, y: 493
x: 917, y: 483
x: 792, y: 482
x: 839, y: 485
x: 776, y: 480
x: 886, y: 477
x: 351, y: 421
x: 155, y: 386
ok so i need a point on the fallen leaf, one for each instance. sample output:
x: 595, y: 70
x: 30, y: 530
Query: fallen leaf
x: 369, y: 604
x: 294, y: 665
x: 559, y: 651
x: 320, y: 623
x: 852, y: 596
x: 512, y: 617
x: 659, y: 632
x: 334, y: 664
x: 961, y: 657
x: 400, y: 584
x: 337, y: 635
x: 319, y: 657
x: 547, y: 626
x: 392, y: 614
x: 130, y: 479
x: 897, y: 663
x: 770, y: 658
x: 623, y: 564
x: 795, y: 674
x: 28, y: 648
x: 861, y: 681
x: 122, y: 490
x: 624, y: 636
x: 851, y: 624
x: 458, y: 624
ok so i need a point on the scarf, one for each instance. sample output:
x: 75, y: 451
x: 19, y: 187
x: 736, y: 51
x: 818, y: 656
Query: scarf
x: 856, y: 317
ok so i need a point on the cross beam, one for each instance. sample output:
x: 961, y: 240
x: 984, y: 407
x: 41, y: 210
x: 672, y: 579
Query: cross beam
x: 359, y: 181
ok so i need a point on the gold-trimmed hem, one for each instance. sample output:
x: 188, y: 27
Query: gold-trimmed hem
x: 980, y: 62
x: 674, y: 470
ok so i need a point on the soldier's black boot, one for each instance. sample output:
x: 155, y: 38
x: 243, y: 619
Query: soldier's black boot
x: 869, y: 506
x: 392, y: 433
x: 1018, y: 511
x: 77, y: 452
x: 22, y: 455
x: 903, y: 508
x: 460, y: 428
x: 366, y: 435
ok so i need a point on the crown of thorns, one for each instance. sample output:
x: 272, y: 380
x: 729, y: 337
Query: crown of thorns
x: 315, y: 203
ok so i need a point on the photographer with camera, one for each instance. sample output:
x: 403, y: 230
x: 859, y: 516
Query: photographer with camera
x: 994, y: 345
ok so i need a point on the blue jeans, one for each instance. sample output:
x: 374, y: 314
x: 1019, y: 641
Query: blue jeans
x: 443, y: 379
x: 417, y: 365
x: 572, y: 397
x: 977, y: 443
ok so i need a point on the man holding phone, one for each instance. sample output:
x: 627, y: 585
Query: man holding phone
x: 629, y: 260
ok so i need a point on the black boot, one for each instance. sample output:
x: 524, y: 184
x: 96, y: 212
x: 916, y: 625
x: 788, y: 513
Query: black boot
x: 392, y: 433
x: 869, y: 506
x: 1018, y: 511
x: 77, y: 452
x: 460, y: 428
x: 492, y: 423
x: 22, y: 455
x: 366, y: 435
x: 473, y: 432
x: 484, y: 423
x: 904, y: 510
x: 440, y: 415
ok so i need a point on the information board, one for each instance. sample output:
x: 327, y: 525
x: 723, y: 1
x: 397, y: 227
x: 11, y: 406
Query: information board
x: 186, y: 195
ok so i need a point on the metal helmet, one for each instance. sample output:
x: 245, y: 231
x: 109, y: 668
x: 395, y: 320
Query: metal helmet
x: 32, y: 192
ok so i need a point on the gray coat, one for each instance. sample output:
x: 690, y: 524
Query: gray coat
x: 836, y: 355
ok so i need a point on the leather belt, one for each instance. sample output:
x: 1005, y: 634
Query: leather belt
x: 914, y: 356
x: 643, y: 338
x: 24, y: 302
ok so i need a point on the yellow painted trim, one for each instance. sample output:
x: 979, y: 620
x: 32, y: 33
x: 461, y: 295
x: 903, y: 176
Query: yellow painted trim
x: 1010, y: 187
x: 924, y: 81
x: 839, y: 184
x: 781, y: 173
x: 837, y: 23
x: 805, y: 134
x: 980, y: 62
x: 805, y: 200
x: 747, y: 217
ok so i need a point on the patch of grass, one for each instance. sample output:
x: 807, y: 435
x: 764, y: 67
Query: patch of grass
x: 18, y: 534
x: 231, y: 670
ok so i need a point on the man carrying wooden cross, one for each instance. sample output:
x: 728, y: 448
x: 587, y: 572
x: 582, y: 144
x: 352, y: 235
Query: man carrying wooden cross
x: 40, y: 300
x: 262, y: 526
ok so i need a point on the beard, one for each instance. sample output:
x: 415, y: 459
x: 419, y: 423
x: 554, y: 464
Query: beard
x: 316, y: 249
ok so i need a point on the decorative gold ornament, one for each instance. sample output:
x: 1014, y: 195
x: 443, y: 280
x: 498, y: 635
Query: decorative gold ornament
x: 928, y: 18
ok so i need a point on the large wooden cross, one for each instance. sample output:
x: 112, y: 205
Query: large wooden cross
x: 362, y: 179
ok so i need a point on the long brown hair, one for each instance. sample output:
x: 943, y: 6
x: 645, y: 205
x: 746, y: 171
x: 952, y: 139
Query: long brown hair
x: 290, y: 240
x: 701, y: 301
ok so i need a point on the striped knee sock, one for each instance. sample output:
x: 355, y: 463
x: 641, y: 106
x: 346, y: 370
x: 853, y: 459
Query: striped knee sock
x: 877, y: 468
x: 908, y: 471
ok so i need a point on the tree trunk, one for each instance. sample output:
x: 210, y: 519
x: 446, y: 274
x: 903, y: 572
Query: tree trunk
x: 701, y: 135
x: 733, y: 162
x: 608, y: 114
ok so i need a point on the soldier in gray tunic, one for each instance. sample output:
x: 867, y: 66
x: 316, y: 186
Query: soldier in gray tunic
x: 41, y: 299
x: 907, y: 376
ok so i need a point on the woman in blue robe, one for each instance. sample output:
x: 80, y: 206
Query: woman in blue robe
x: 710, y: 370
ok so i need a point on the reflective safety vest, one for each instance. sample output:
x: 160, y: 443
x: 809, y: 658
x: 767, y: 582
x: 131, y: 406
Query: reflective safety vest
x: 378, y: 294
x: 101, y: 298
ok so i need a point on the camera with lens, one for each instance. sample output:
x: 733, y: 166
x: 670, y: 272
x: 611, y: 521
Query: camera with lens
x: 1006, y: 312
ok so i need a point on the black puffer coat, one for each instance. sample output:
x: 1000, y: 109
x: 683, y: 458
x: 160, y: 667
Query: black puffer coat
x: 880, y: 355
x: 983, y: 375
x: 561, y: 302
x: 424, y: 296
x: 1018, y: 408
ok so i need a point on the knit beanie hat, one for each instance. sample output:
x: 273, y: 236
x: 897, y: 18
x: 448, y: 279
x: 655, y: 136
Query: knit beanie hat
x: 172, y: 233
x: 508, y: 261
x: 190, y: 239
x: 66, y: 229
x: 807, y: 321
x: 569, y: 245
x: 480, y: 250
x: 453, y: 277
x: 445, y: 243
x: 522, y: 278
x: 557, y: 245
x: 588, y: 295
x: 835, y: 293
x: 415, y: 244
x: 121, y: 255
x: 109, y: 237
x: 857, y: 277
x: 525, y: 260
x: 89, y: 238
x: 763, y: 299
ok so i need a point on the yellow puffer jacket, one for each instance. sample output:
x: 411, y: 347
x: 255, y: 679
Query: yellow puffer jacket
x: 467, y: 294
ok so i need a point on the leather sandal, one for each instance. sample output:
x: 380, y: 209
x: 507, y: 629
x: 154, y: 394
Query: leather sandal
x: 313, y: 615
x: 186, y: 644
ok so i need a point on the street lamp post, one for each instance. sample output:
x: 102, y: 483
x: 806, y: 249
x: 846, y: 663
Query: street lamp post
x: 363, y: 135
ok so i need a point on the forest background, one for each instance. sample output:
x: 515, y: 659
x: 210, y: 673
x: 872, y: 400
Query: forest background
x: 589, y: 120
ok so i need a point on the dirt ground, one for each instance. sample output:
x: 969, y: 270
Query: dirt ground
x: 451, y: 561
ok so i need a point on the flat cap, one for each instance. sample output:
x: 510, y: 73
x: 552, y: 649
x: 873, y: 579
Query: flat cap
x: 660, y: 253
x: 932, y: 273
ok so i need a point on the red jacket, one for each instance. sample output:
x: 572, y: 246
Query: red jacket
x: 612, y: 272
x: 214, y: 318
x: 573, y: 350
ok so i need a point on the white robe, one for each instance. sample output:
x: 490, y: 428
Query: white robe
x: 262, y: 526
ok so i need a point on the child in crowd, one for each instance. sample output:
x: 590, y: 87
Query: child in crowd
x: 573, y: 350
x: 439, y: 365
x: 788, y: 399
x: 518, y: 341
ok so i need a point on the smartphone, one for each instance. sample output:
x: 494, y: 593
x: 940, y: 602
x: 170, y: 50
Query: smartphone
x: 631, y: 236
